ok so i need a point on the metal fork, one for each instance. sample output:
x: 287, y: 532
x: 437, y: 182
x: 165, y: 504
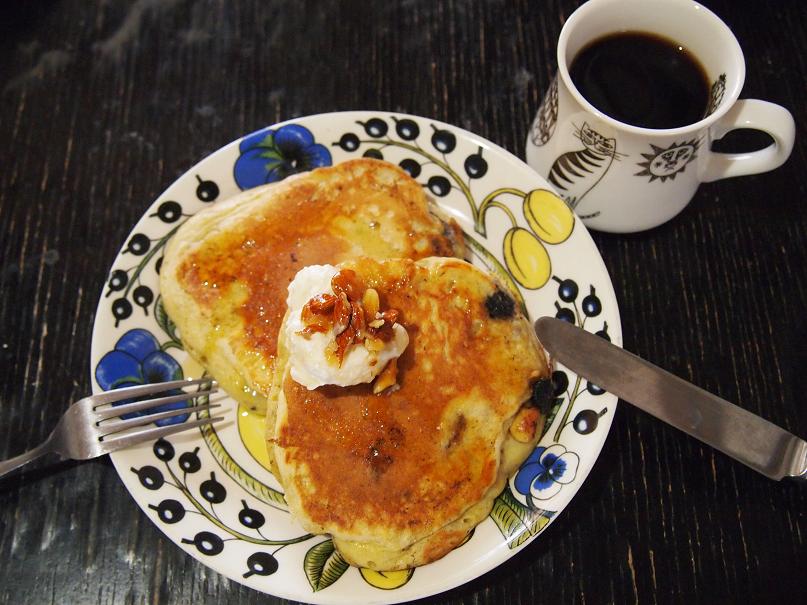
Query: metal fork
x: 87, y: 429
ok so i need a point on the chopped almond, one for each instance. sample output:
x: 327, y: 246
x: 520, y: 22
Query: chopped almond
x: 346, y: 282
x: 387, y: 378
x: 373, y: 344
x: 321, y: 304
x: 347, y: 311
x: 390, y: 315
x: 370, y: 302
x: 341, y: 313
x: 315, y: 314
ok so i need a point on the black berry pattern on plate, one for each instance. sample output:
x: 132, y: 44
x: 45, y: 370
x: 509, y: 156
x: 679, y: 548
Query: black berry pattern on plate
x: 127, y: 283
x: 248, y: 526
x: 567, y: 309
x: 206, y: 190
x: 549, y: 468
x: 212, y: 506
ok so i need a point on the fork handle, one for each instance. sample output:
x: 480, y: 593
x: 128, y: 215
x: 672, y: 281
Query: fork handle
x: 6, y: 466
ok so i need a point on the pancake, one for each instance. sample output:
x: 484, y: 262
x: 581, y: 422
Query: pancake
x: 399, y: 479
x: 225, y: 273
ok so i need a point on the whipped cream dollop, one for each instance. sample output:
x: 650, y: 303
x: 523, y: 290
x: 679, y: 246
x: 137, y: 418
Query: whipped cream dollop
x: 311, y: 365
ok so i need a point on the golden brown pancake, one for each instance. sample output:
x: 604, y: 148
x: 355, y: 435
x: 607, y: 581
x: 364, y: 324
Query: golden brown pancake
x: 225, y: 273
x: 398, y: 479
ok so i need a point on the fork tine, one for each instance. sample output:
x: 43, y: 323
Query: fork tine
x: 115, y: 427
x: 114, y: 442
x: 148, y: 389
x: 139, y: 406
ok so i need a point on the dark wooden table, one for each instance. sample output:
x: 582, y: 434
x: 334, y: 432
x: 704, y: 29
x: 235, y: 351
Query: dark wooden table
x: 103, y: 105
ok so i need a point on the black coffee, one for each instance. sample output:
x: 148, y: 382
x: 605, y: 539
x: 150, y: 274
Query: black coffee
x: 642, y: 79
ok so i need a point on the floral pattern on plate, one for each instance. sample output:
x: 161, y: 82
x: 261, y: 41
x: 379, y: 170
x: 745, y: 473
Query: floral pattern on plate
x: 138, y: 359
x: 270, y: 155
x: 210, y: 491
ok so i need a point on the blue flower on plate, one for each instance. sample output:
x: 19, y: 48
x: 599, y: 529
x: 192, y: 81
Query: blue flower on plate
x: 272, y: 155
x: 546, y: 471
x: 138, y: 359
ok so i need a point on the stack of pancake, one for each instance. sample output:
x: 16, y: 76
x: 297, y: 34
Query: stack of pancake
x: 225, y: 273
x: 397, y: 478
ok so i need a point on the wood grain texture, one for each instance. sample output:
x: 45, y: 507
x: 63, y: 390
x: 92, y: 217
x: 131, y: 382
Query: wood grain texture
x: 103, y: 105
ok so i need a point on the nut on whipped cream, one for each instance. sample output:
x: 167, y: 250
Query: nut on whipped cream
x: 337, y: 335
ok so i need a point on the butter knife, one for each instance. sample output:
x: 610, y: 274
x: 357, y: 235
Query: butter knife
x: 755, y: 442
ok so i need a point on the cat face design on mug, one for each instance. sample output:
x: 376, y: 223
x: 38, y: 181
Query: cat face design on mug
x: 577, y: 172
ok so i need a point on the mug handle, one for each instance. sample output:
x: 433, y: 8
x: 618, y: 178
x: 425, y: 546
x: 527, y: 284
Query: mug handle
x: 754, y: 114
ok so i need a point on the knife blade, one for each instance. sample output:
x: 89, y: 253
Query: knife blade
x: 746, y: 437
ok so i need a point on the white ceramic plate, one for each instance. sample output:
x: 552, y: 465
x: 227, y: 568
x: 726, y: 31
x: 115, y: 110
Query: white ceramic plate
x: 209, y: 490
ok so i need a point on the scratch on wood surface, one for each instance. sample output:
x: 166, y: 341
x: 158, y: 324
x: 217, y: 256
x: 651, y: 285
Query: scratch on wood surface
x: 795, y: 526
x: 18, y: 530
x: 697, y: 541
x: 643, y: 473
x: 44, y: 261
x: 692, y: 563
x: 742, y: 534
x: 53, y: 586
x: 18, y: 119
x: 77, y: 311
x: 40, y: 364
x: 48, y: 533
x: 68, y: 151
x: 633, y: 575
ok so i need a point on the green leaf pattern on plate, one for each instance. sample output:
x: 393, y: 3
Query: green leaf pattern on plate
x: 517, y: 522
x: 323, y: 565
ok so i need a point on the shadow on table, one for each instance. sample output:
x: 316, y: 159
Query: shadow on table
x: 41, y: 471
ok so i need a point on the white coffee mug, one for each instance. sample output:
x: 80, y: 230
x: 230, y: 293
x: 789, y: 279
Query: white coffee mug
x: 623, y: 178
